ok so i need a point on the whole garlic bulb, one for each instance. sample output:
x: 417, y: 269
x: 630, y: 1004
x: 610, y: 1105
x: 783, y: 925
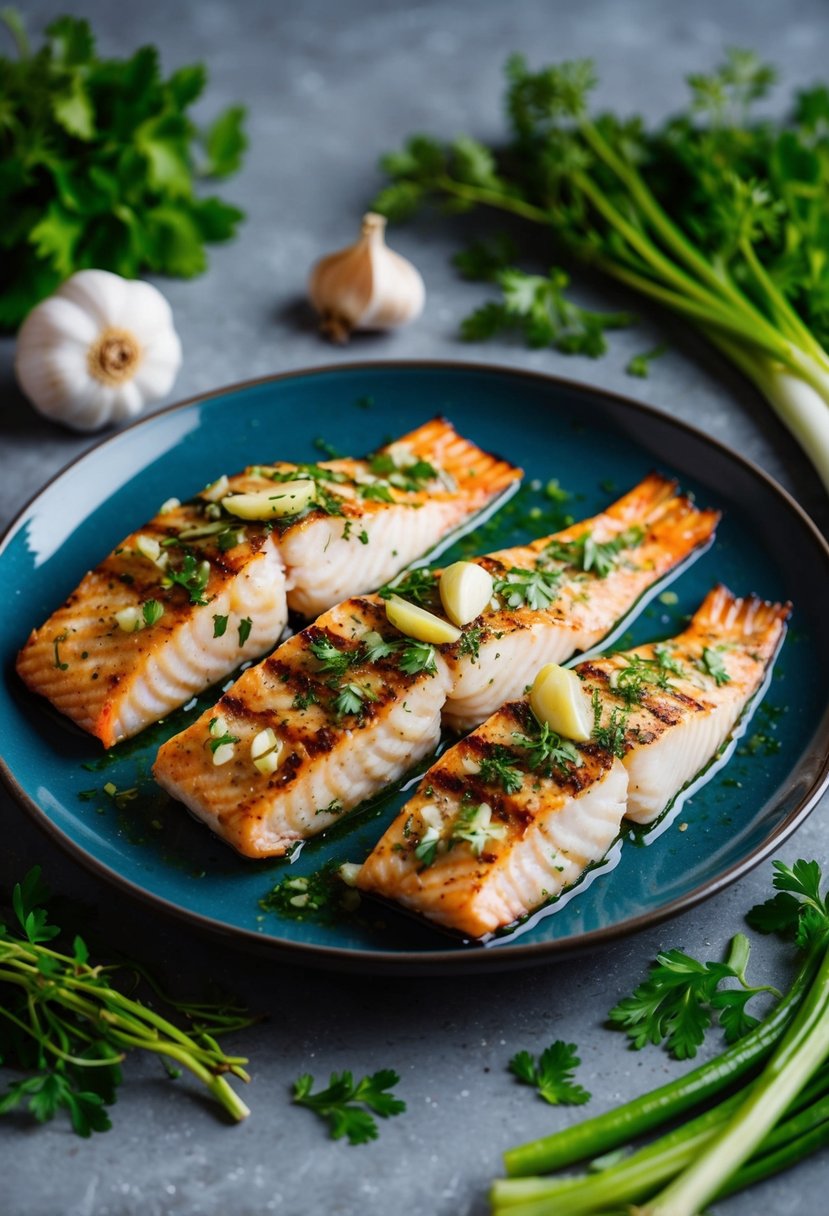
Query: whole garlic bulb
x: 366, y: 286
x: 98, y: 350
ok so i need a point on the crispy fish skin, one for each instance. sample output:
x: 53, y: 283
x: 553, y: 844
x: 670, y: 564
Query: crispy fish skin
x: 671, y: 732
x: 513, y: 645
x: 534, y: 841
x: 331, y: 761
x: 113, y: 683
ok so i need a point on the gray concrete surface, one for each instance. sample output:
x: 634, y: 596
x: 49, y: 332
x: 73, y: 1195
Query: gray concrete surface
x: 329, y: 87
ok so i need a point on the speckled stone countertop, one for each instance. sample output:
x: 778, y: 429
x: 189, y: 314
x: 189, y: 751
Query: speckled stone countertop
x: 330, y: 86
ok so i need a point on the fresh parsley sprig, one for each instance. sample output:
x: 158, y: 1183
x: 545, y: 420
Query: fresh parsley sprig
x: 547, y: 751
x: 675, y: 1005
x: 551, y: 1074
x: 528, y: 588
x: 349, y: 1106
x: 100, y: 162
x: 588, y: 554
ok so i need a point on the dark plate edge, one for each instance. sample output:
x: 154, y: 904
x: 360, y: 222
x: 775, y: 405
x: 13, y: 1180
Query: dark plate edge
x: 416, y: 963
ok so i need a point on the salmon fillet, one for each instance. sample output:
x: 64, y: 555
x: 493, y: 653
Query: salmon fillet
x: 498, y: 826
x: 673, y: 704
x: 510, y: 645
x: 353, y: 706
x: 570, y: 590
x: 491, y: 833
x: 201, y: 590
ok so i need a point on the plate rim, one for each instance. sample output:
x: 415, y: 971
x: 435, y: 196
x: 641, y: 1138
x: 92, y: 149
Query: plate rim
x: 479, y: 958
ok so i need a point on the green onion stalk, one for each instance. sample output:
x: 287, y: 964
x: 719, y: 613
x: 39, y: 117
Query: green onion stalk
x: 589, y: 182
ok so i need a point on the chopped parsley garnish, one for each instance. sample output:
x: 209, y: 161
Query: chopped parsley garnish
x: 474, y: 827
x: 418, y: 586
x: 375, y: 647
x: 330, y: 658
x: 498, y: 768
x: 588, y: 554
x: 547, y: 750
x: 192, y: 577
x: 335, y: 807
x: 362, y: 537
x: 303, y: 699
x: 152, y: 611
x: 535, y: 588
x: 62, y: 637
x: 611, y: 736
x: 217, y: 741
x: 348, y: 1106
x: 630, y: 682
x: 416, y: 657
x: 245, y: 626
x: 470, y: 643
x: 351, y: 699
x: 551, y: 1074
x: 230, y: 537
x: 426, y: 848
x: 711, y: 663
x: 411, y: 477
x: 219, y: 625
x: 378, y: 491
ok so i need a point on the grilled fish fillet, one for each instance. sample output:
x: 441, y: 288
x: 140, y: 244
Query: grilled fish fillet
x: 593, y: 573
x: 674, y: 704
x: 345, y: 732
x: 223, y: 586
x: 511, y: 645
x: 488, y: 837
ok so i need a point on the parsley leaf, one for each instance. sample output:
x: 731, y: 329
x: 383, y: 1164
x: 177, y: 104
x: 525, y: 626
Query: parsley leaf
x: 98, y: 160
x: 611, y: 735
x: 533, y: 588
x: 416, y: 657
x: 588, y: 554
x: 547, y: 751
x: 418, y: 586
x: 351, y: 700
x: 245, y: 626
x: 538, y: 308
x: 712, y: 665
x: 219, y: 625
x: 798, y: 910
x: 343, y: 1103
x: 193, y: 577
x: 330, y: 658
x: 498, y: 768
x: 675, y: 1004
x: 640, y: 365
x: 551, y: 1074
x: 152, y: 612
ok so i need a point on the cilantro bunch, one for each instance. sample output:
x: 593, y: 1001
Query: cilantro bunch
x: 98, y: 162
x: 717, y: 214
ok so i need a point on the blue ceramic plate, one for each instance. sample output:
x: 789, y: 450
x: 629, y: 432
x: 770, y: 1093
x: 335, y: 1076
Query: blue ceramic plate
x: 596, y: 446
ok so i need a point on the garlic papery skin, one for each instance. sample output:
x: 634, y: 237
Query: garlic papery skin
x: 97, y: 351
x: 366, y: 286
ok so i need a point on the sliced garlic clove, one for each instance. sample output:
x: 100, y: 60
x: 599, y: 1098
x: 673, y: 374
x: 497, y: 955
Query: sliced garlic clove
x: 465, y: 591
x: 289, y: 498
x: 417, y: 623
x: 558, y: 698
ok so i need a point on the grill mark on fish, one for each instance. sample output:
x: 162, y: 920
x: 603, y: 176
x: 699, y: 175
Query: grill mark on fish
x: 181, y: 653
